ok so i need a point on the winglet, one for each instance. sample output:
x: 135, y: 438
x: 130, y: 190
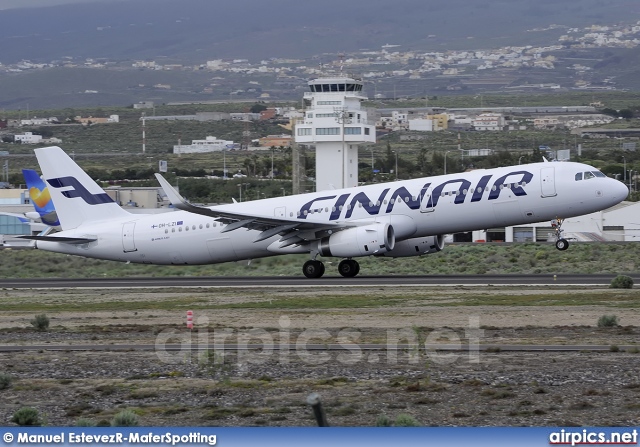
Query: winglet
x: 179, y: 202
x: 174, y: 197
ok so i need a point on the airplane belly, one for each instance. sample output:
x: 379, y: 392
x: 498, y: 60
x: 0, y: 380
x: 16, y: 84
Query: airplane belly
x: 507, y: 212
x: 221, y: 249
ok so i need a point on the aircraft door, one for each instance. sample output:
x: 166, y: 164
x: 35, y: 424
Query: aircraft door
x: 548, y: 182
x: 280, y: 212
x: 426, y: 205
x: 128, y: 243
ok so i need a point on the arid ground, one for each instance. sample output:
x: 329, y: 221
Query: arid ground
x: 358, y: 387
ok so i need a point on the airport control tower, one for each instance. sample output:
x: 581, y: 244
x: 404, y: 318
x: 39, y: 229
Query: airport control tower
x: 336, y: 125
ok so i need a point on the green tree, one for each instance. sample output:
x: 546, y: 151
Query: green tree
x: 257, y: 108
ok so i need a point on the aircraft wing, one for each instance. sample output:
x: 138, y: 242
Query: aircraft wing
x: 291, y: 230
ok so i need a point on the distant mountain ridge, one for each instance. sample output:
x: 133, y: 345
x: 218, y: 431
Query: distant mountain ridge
x: 192, y: 31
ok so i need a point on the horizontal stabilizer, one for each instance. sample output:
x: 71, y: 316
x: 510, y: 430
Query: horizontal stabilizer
x: 63, y: 240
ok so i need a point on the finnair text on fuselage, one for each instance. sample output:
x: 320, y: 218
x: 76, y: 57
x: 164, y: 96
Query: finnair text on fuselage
x: 414, y: 201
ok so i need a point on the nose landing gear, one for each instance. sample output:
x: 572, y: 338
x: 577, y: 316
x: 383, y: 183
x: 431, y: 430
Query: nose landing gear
x: 561, y: 243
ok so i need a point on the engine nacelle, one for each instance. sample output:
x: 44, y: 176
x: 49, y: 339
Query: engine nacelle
x: 416, y: 247
x: 367, y: 240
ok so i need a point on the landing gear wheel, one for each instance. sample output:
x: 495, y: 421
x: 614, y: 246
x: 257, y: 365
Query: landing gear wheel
x: 562, y: 244
x: 313, y: 269
x: 348, y: 268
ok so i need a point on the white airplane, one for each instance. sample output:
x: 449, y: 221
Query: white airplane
x: 397, y: 219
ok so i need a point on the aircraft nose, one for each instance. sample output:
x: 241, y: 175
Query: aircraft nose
x: 619, y: 191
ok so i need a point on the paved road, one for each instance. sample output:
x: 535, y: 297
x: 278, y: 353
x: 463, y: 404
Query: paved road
x: 291, y: 281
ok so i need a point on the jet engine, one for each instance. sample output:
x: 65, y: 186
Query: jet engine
x: 416, y: 247
x: 366, y: 240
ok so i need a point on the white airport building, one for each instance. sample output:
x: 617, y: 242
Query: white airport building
x: 336, y: 125
x: 209, y: 144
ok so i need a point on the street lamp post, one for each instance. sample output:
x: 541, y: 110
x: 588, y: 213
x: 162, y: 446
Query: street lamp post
x: 520, y: 159
x: 372, y: 168
x: 624, y: 170
x: 272, y: 151
x: 240, y: 191
x: 224, y: 164
x: 445, y: 161
x: 395, y: 152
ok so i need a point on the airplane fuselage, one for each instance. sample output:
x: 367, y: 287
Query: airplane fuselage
x: 415, y: 208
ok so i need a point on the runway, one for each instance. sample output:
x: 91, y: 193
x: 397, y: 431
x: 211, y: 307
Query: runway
x: 232, y: 347
x: 327, y: 281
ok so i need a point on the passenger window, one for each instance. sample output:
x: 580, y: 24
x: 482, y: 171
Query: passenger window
x: 579, y: 176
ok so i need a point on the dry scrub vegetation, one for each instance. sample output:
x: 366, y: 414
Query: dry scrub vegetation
x: 357, y: 386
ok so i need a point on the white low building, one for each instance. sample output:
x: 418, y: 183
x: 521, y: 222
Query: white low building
x: 618, y: 223
x: 28, y: 138
x: 489, y: 121
x: 209, y: 144
x: 421, y: 125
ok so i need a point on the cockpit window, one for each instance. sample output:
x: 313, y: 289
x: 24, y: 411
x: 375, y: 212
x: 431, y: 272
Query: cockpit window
x: 589, y: 174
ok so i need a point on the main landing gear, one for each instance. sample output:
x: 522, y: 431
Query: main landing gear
x: 315, y: 269
x: 561, y: 243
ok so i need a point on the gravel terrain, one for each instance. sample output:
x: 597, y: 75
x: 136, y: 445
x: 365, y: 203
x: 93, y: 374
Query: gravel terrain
x: 357, y: 387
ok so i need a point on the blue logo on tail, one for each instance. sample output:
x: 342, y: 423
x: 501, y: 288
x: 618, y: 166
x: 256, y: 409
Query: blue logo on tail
x: 79, y: 191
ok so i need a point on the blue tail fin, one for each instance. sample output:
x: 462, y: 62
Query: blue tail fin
x: 40, y: 198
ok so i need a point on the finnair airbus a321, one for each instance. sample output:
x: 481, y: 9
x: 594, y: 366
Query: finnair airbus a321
x: 397, y: 219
